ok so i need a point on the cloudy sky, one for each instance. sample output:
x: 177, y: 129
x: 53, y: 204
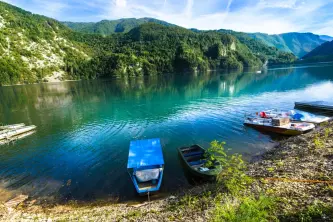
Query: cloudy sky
x: 268, y: 16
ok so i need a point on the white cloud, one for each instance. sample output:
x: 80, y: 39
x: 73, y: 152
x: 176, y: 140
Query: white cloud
x: 268, y: 16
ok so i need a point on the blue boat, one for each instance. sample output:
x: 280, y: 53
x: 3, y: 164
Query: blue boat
x: 145, y: 165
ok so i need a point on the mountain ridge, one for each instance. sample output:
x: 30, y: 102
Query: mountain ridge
x: 298, y: 43
x: 36, y: 48
x: 323, y: 53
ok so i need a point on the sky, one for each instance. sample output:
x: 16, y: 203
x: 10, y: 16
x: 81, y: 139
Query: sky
x: 267, y: 16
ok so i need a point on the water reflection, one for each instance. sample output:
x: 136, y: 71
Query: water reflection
x: 84, y: 128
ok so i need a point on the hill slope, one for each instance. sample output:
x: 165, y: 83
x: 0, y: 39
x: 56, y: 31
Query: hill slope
x: 152, y: 48
x: 321, y: 53
x: 108, y: 27
x: 264, y: 51
x: 33, y: 47
x: 326, y: 38
x: 298, y: 43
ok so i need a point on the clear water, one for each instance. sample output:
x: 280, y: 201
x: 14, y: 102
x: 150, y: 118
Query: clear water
x: 81, y: 145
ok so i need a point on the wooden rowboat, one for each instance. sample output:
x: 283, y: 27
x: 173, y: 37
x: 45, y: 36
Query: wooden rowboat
x: 194, y: 161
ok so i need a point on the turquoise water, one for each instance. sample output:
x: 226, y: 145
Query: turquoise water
x: 84, y: 128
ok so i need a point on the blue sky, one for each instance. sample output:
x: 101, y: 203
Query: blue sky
x: 268, y: 16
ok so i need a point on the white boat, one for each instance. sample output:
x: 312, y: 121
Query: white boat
x: 7, y: 134
x: 279, y: 125
x: 295, y: 115
x: 10, y: 127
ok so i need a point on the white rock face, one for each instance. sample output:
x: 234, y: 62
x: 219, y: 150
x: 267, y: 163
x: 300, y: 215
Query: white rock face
x: 2, y: 22
x: 233, y: 46
x: 42, y: 55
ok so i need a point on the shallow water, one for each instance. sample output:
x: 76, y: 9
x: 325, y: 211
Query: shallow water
x: 81, y: 145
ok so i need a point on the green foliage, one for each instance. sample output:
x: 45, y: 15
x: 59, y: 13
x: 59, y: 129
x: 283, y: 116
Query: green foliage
x: 264, y: 50
x: 216, y: 153
x: 143, y: 47
x: 328, y: 131
x: 246, y: 209
x: 233, y: 174
x: 108, y: 27
x: 315, y: 212
x: 317, y: 141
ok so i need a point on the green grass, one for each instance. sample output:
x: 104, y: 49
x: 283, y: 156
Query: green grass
x: 245, y: 209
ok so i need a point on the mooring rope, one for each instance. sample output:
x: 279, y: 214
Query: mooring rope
x: 299, y: 180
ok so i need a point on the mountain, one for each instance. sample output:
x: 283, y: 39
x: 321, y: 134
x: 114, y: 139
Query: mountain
x: 298, y: 43
x: 108, y: 27
x: 326, y: 38
x: 267, y: 53
x: 321, y: 53
x: 35, y: 48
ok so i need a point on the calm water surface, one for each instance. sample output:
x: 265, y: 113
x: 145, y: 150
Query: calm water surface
x: 80, y: 148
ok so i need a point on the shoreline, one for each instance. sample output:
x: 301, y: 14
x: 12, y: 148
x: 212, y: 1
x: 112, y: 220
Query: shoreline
x: 298, y: 164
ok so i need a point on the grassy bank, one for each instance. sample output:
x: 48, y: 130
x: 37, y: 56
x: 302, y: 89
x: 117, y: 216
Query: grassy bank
x: 286, y: 183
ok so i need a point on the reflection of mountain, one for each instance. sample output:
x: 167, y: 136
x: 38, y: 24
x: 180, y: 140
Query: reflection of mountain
x: 120, y: 98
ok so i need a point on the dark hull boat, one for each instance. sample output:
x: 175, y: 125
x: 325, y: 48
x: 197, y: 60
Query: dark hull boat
x: 317, y: 106
x: 193, y: 158
x: 146, y: 165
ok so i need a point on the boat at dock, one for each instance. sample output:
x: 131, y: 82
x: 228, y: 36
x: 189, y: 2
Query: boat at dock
x: 194, y: 161
x: 146, y: 165
x: 318, y: 106
x: 7, y: 134
x: 279, y: 125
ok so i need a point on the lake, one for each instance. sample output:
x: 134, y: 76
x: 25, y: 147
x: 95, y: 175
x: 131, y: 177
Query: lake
x: 80, y: 148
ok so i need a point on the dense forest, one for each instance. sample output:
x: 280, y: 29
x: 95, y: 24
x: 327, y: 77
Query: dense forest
x: 323, y: 53
x: 108, y: 27
x: 297, y: 43
x: 35, y: 48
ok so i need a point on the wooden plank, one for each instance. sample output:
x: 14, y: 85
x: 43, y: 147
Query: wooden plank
x: 16, y: 201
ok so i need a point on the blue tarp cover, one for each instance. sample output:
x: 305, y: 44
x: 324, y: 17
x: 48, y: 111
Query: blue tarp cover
x: 143, y: 153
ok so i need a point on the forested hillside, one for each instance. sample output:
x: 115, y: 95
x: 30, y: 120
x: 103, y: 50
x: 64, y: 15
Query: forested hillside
x: 35, y: 48
x: 262, y: 50
x: 321, y: 53
x: 298, y: 43
x: 108, y: 27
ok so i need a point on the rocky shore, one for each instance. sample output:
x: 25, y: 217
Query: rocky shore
x: 297, y: 174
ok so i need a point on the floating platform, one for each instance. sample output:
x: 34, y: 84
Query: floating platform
x: 12, y: 127
x: 317, y: 106
x: 9, y: 133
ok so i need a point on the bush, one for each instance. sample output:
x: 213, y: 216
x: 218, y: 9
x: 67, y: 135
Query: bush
x: 248, y: 209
